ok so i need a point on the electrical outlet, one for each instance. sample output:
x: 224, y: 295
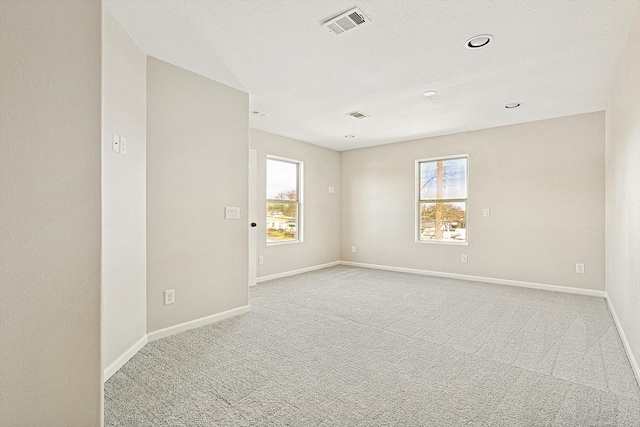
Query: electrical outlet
x: 353, y: 248
x: 332, y: 190
x: 580, y: 268
x: 260, y: 260
x: 464, y: 258
x: 169, y: 296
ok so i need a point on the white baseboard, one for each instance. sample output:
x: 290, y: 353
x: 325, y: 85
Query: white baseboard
x: 203, y: 321
x: 625, y: 343
x: 518, y: 283
x: 299, y: 271
x: 124, y: 358
x: 161, y: 333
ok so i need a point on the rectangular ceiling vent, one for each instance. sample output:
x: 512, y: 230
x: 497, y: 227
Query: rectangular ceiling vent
x: 346, y: 21
x: 357, y: 114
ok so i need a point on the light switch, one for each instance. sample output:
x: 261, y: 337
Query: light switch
x: 232, y: 212
x: 486, y: 213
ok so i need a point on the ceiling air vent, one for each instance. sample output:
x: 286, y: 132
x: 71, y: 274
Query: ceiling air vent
x: 346, y: 21
x: 357, y: 114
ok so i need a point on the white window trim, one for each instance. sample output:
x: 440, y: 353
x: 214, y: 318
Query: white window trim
x: 300, y: 195
x: 416, y: 203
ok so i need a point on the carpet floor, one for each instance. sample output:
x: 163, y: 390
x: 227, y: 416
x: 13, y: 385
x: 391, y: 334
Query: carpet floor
x: 349, y: 346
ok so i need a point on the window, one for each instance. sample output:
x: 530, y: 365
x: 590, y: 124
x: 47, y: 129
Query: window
x: 284, y: 200
x: 442, y: 199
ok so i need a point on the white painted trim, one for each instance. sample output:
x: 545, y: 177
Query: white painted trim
x: 518, y: 283
x: 416, y: 203
x: 299, y: 271
x: 203, y: 321
x: 625, y: 342
x: 124, y: 358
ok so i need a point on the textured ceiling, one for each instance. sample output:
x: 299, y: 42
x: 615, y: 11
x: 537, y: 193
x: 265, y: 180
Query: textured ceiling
x: 555, y: 57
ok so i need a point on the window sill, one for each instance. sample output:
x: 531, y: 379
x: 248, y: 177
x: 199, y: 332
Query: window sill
x: 292, y: 242
x: 436, y: 242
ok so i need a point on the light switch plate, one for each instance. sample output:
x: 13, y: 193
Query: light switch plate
x: 232, y: 212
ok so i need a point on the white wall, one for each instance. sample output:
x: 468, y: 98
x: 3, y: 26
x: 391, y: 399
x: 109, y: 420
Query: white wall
x: 544, y: 184
x: 197, y: 151
x: 321, y: 222
x: 623, y: 195
x: 124, y: 306
x: 50, y: 213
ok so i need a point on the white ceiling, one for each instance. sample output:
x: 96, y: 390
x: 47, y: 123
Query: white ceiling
x: 556, y: 57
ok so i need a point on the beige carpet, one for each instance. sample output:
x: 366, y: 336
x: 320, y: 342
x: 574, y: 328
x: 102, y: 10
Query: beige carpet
x: 348, y: 346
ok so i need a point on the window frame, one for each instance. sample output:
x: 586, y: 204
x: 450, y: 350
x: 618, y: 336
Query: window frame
x: 418, y: 201
x: 299, y: 200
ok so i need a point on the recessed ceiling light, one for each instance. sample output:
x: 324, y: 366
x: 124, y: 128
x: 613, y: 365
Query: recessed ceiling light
x: 349, y: 136
x: 479, y: 41
x: 512, y: 105
x: 430, y: 93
